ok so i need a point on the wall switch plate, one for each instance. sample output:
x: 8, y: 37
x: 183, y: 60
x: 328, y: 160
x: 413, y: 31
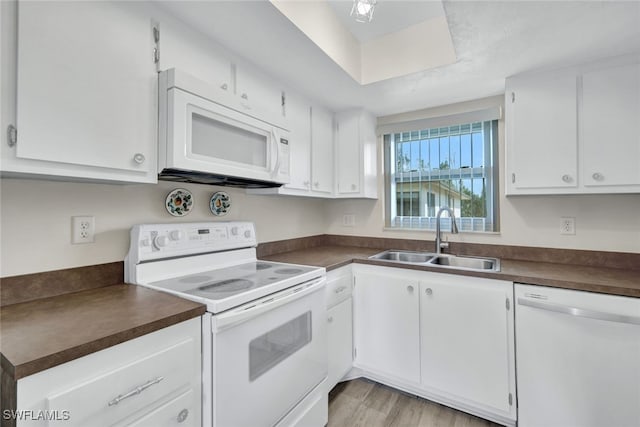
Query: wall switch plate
x: 348, y: 220
x: 567, y: 225
x: 82, y: 229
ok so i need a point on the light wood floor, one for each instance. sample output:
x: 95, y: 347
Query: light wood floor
x: 366, y: 403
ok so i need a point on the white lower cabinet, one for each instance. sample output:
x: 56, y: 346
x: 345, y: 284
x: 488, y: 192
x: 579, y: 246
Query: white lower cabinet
x: 467, y: 341
x: 151, y: 380
x: 445, y: 337
x: 387, y: 322
x: 339, y: 324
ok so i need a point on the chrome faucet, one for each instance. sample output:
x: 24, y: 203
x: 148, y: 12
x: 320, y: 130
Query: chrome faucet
x: 454, y: 228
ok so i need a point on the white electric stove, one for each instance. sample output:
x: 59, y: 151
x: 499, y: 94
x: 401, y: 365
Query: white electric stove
x: 264, y: 336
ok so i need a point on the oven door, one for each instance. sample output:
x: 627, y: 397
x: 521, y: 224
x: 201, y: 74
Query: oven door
x: 268, y: 355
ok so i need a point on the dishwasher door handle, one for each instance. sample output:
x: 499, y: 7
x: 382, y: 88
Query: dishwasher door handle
x: 580, y: 312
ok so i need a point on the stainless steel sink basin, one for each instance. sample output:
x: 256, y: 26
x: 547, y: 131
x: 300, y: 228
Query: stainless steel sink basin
x: 439, y: 260
x: 404, y: 256
x: 466, y: 263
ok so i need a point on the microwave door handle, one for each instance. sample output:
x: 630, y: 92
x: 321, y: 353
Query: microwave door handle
x: 240, y: 315
x: 276, y: 148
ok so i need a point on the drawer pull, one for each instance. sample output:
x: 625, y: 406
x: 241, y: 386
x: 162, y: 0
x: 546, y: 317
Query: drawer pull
x: 135, y: 391
x: 183, y: 415
x: 340, y: 290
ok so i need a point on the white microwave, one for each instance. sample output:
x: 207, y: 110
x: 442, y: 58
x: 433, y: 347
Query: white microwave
x: 208, y: 136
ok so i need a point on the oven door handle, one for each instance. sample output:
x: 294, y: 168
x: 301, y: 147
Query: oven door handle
x: 255, y: 308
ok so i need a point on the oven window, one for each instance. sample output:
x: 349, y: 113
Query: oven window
x: 269, y: 349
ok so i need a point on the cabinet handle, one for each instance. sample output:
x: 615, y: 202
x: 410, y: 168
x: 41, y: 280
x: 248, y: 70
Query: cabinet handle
x: 428, y: 291
x: 306, y: 183
x: 580, y: 312
x: 513, y: 178
x: 340, y: 289
x: 139, y: 158
x: 330, y: 319
x: 224, y: 86
x: 410, y: 289
x: 353, y: 186
x: 244, y: 96
x: 566, y: 178
x: 135, y: 391
x: 316, y: 184
x: 598, y: 176
x: 183, y: 415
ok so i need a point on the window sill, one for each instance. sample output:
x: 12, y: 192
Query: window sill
x: 425, y: 230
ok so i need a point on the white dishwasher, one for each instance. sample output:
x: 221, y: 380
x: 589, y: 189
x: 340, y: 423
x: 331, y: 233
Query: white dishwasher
x: 578, y: 358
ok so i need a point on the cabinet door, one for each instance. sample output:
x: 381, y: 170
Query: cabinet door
x: 321, y: 150
x: 349, y: 152
x: 340, y: 341
x: 257, y: 94
x: 467, y: 338
x: 610, y: 137
x: 87, y: 87
x: 298, y: 115
x: 386, y: 324
x: 542, y: 131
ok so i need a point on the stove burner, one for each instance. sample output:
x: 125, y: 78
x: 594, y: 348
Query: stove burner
x: 195, y: 279
x: 288, y: 271
x: 257, y: 266
x: 230, y: 285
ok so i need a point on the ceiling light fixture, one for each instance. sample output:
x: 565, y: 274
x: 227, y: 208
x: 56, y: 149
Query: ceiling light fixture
x: 362, y: 10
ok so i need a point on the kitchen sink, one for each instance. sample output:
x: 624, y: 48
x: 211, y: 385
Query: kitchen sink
x: 439, y: 260
x: 404, y: 256
x: 466, y: 263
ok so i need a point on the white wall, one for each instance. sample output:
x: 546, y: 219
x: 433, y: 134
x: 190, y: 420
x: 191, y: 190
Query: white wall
x: 35, y: 219
x: 603, y: 222
x: 35, y: 215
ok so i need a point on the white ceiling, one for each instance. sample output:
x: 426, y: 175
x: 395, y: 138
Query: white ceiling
x: 388, y: 16
x: 492, y: 39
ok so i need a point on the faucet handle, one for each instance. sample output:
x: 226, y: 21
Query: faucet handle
x: 444, y: 245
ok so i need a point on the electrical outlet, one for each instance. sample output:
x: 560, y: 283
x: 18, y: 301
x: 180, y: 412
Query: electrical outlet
x: 82, y: 229
x: 348, y: 220
x: 567, y: 225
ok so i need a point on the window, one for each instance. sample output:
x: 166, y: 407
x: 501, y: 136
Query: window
x: 452, y: 166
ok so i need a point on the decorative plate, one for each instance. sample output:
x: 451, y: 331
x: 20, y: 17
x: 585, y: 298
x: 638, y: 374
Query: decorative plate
x: 179, y: 202
x: 220, y: 203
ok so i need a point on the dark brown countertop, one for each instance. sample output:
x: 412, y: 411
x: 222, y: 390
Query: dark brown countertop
x: 614, y: 281
x: 44, y: 333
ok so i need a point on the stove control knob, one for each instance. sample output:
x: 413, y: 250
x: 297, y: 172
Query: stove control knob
x: 161, y: 241
x: 247, y: 234
x: 145, y: 242
x: 176, y: 235
x: 234, y: 231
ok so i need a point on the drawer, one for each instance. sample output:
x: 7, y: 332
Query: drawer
x: 339, y: 287
x: 116, y: 394
x: 182, y: 411
x: 82, y: 388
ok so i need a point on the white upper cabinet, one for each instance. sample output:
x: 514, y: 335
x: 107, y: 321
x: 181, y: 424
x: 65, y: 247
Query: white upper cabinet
x: 575, y: 130
x: 542, y: 131
x: 321, y: 150
x: 87, y: 92
x: 298, y: 116
x: 256, y: 93
x: 356, y: 154
x: 610, y: 130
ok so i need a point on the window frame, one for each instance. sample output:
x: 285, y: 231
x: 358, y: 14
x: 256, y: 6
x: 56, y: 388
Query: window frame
x: 427, y: 223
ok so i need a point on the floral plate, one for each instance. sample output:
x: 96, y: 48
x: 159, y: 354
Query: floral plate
x: 179, y: 202
x: 220, y: 203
